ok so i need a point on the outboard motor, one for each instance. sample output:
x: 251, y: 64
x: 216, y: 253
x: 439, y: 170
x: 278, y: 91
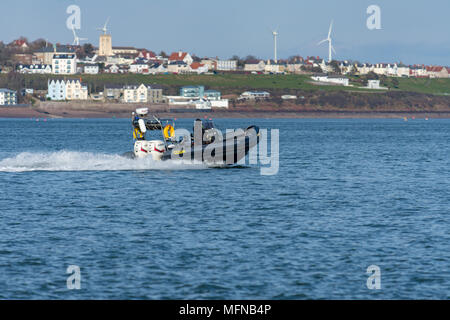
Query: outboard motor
x: 142, y: 147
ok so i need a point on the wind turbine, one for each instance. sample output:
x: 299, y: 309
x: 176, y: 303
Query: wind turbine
x: 330, y: 45
x: 105, y: 27
x: 76, y: 39
x: 275, y: 35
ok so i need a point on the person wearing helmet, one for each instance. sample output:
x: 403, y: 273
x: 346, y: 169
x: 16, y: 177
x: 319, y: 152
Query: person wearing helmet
x: 139, y: 123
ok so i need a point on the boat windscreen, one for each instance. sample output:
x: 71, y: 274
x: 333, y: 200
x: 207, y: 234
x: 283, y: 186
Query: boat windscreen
x: 208, y: 124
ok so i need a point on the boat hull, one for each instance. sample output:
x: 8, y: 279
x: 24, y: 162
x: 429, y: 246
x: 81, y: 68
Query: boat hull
x: 228, y: 151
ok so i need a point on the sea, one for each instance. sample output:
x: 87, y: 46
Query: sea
x: 357, y: 209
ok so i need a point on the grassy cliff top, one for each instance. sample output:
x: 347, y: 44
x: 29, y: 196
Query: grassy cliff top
x: 234, y: 83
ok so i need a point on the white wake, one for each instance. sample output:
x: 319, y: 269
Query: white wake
x: 87, y: 161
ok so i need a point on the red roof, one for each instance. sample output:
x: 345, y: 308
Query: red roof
x: 196, y: 65
x: 147, y: 54
x: 434, y: 69
x: 177, y: 56
x: 19, y: 43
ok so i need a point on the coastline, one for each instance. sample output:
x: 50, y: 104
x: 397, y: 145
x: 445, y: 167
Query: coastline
x: 68, y: 111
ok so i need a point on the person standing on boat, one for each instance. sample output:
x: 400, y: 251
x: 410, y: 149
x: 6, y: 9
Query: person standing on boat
x: 139, y: 123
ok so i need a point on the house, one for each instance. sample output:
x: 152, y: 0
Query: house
x: 113, y: 92
x: 155, y: 94
x: 90, y: 68
x: 210, y: 63
x: 346, y: 67
x: 212, y: 95
x: 120, y: 59
x: 147, y: 55
x: 380, y: 69
x: 226, y: 65
x: 35, y: 69
x: 23, y: 58
x: 157, y: 68
x: 418, y: 71
x: 437, y: 72
x: 254, y: 65
x: 254, y: 95
x: 365, y: 68
x: 403, y: 70
x: 8, y: 97
x: 338, y: 80
x: 274, y: 67
x: 19, y: 44
x: 135, y: 94
x: 56, y: 90
x: 296, y: 68
x: 112, y: 68
x: 192, y: 91
x: 72, y: 89
x: 178, y: 67
x: 64, y: 64
x: 76, y: 90
x: 215, y: 99
x: 373, y: 84
x: 45, y: 55
x: 198, y: 68
x: 131, y: 51
x: 181, y: 56
x: 139, y: 67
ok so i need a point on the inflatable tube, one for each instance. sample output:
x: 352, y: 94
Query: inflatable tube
x: 169, y: 132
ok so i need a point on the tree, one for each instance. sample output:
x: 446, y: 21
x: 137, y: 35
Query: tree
x: 195, y: 58
x: 335, y: 66
x: 88, y: 48
x: 250, y: 58
x: 38, y: 44
x: 240, y: 62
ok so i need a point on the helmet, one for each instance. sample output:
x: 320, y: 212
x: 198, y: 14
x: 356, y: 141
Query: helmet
x: 142, y: 112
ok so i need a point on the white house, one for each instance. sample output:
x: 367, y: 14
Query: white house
x: 226, y: 65
x: 72, y: 89
x: 64, y: 64
x: 418, y: 71
x: 35, y: 69
x: 295, y: 68
x: 257, y: 66
x: 339, y: 80
x: 8, y: 97
x: 254, y: 95
x: 181, y: 56
x: 365, y: 68
x: 139, y: 67
x: 157, y: 68
x: 403, y: 71
x: 211, y: 63
x: 178, y: 67
x: 135, y: 94
x: 91, y: 68
x: 199, y: 68
x: 112, y: 68
x: 373, y: 84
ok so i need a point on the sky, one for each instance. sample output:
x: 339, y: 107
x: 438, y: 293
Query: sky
x: 412, y: 31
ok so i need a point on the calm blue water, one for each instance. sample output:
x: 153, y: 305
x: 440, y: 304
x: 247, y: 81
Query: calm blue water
x: 349, y: 194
